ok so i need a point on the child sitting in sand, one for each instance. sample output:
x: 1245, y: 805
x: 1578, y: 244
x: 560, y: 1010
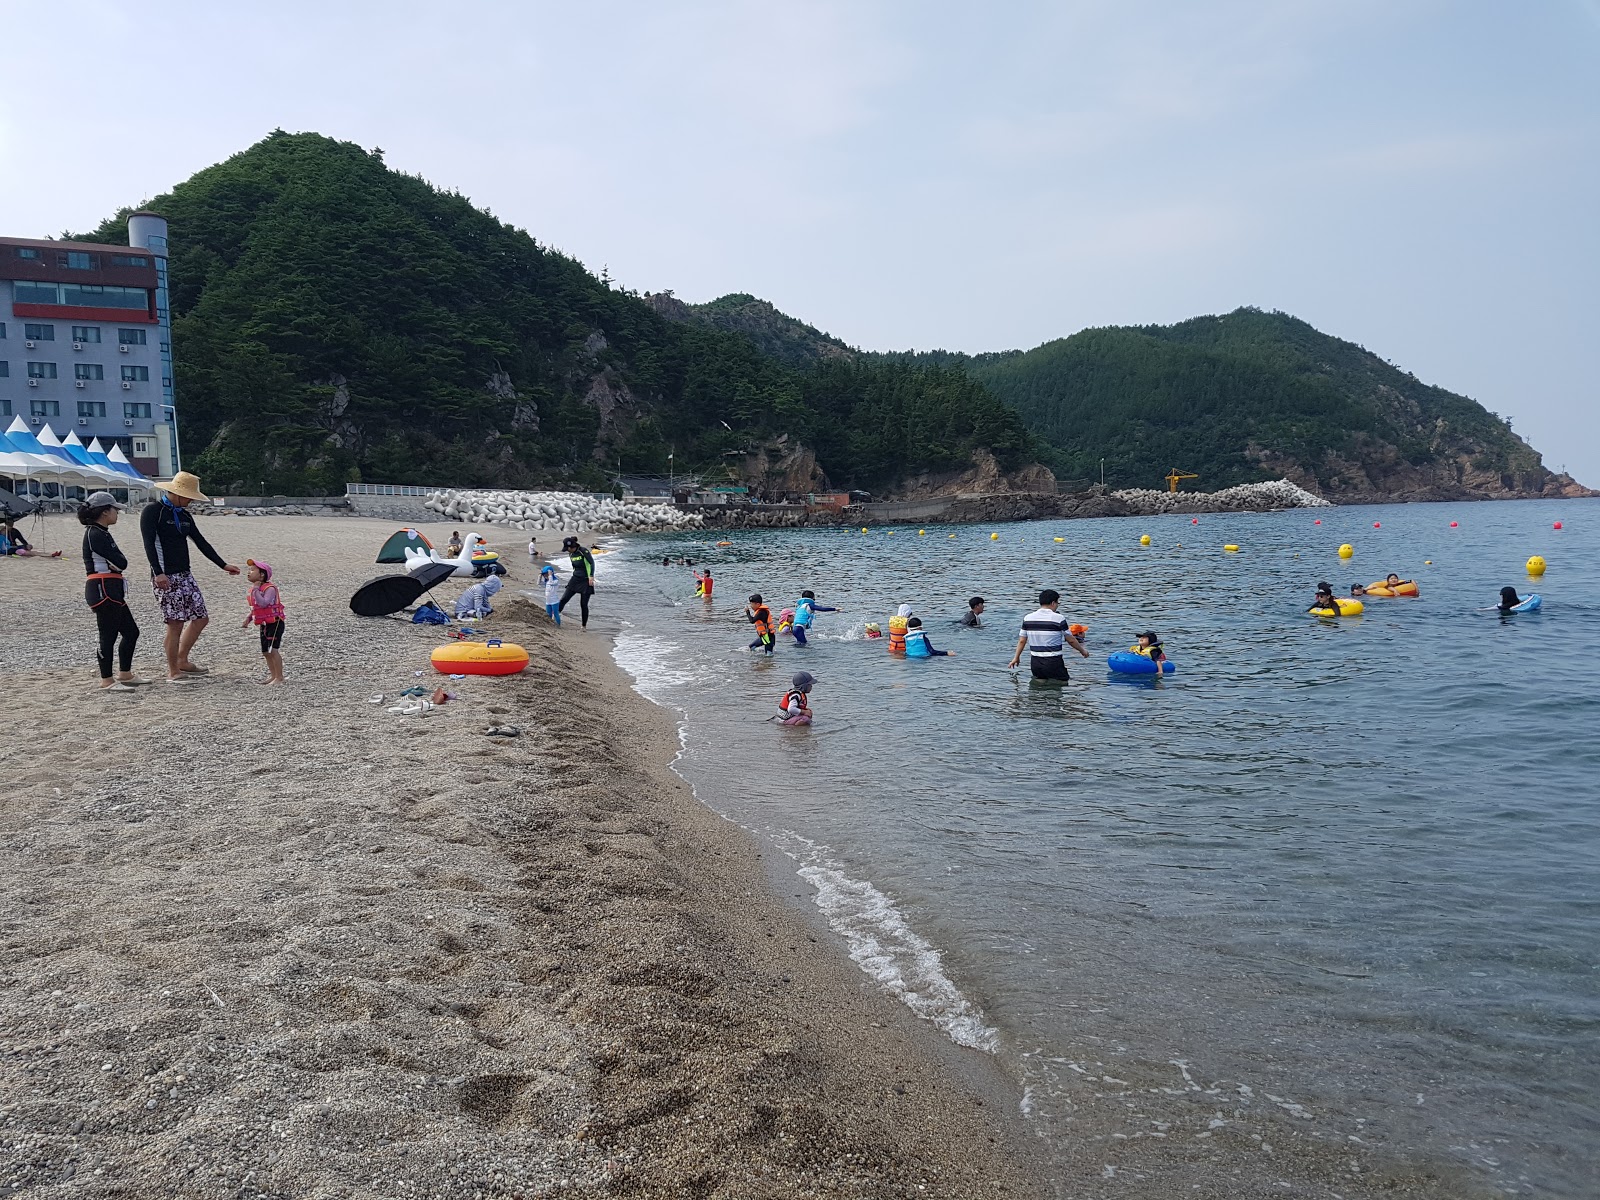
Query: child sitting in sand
x: 266, y: 612
x: 474, y: 602
x: 552, y: 593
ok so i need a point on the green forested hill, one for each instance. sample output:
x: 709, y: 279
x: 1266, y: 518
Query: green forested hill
x: 335, y: 320
x: 1254, y: 395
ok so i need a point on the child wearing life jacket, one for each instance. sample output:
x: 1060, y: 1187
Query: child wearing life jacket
x: 266, y: 613
x: 897, y: 630
x: 917, y: 643
x: 759, y: 615
x: 805, y: 611
x: 793, y: 709
x: 1150, y: 647
x: 702, y: 587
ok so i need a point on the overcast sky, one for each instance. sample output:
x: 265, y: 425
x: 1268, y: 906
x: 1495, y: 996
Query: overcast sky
x: 1419, y: 176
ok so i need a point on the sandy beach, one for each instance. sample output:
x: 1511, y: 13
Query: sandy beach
x: 278, y: 942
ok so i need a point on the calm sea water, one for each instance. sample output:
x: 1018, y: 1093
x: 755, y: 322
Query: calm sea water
x: 1351, y: 864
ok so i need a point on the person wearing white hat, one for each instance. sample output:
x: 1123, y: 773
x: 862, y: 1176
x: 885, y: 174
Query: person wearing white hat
x: 167, y: 531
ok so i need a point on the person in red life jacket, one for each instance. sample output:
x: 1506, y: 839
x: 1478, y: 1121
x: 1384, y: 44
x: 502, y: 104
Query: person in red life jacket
x: 266, y: 612
x: 702, y: 587
x: 794, y: 709
x: 759, y: 615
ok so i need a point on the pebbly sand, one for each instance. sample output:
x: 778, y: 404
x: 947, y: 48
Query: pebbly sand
x: 276, y: 942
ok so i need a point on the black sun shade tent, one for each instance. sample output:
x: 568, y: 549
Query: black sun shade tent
x: 394, y: 593
x: 401, y: 540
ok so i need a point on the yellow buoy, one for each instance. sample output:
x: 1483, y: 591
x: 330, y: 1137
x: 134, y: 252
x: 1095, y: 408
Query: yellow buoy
x: 922, y: 533
x: 863, y: 529
x: 994, y: 537
x: 952, y: 537
x: 1427, y: 562
x: 1231, y: 548
x: 1144, y: 539
x: 1347, y: 551
x: 1536, y: 565
x: 1059, y: 539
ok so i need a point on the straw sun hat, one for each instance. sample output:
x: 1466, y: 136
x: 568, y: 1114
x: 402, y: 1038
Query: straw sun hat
x: 184, y: 484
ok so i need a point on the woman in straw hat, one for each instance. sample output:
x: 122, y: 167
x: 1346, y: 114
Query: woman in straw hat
x: 167, y: 531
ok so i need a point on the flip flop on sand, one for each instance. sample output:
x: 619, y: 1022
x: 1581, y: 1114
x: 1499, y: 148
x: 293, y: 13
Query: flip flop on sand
x: 184, y: 680
x: 194, y: 670
x: 502, y: 731
x: 118, y: 687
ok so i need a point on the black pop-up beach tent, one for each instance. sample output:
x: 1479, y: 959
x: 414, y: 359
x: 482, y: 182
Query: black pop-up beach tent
x: 394, y: 550
x: 394, y: 593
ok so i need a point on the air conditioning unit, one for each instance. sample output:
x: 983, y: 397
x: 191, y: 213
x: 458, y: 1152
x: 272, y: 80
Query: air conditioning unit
x: 127, y: 422
x: 33, y: 383
x: 126, y: 386
x: 29, y: 345
x: 77, y: 345
x: 80, y: 383
x: 122, y: 349
x: 83, y: 420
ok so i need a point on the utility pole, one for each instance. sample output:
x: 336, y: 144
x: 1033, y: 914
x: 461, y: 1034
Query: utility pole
x: 1102, y: 472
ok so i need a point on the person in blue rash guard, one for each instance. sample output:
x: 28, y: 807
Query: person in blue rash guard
x: 805, y: 611
x: 918, y: 645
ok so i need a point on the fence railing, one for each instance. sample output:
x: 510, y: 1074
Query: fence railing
x: 387, y: 489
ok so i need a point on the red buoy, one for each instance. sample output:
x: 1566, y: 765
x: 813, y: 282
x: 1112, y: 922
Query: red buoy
x: 1195, y: 521
x: 1557, y: 525
x: 1452, y: 524
x: 1377, y: 525
x: 1318, y: 521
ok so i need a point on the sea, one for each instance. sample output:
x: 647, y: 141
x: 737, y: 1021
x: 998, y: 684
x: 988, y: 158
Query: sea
x: 1350, y: 867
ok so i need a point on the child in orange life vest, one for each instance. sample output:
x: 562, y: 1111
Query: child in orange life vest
x: 793, y: 708
x: 759, y: 615
x: 702, y: 585
x: 266, y: 611
x: 897, y: 630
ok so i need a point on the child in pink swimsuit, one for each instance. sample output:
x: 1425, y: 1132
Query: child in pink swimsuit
x: 266, y: 612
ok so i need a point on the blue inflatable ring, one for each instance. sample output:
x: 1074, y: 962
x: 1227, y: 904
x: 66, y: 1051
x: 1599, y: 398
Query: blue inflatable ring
x: 1529, y: 604
x: 1125, y: 662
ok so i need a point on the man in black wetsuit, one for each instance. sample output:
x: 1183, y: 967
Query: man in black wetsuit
x: 581, y: 582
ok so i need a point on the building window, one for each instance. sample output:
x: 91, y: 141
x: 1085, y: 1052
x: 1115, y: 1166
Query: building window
x: 2, y: 329
x: 39, y: 333
x: 81, y: 295
x: 136, y: 374
x: 27, y: 252
x: 135, y: 412
x: 5, y: 408
x: 86, y: 333
x: 41, y: 370
x: 5, y: 370
x: 166, y: 381
x: 45, y: 408
x: 130, y: 337
x: 88, y: 371
x: 93, y: 295
x: 91, y: 408
x: 129, y: 260
x: 77, y: 260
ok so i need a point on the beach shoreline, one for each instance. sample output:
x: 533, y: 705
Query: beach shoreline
x: 281, y: 942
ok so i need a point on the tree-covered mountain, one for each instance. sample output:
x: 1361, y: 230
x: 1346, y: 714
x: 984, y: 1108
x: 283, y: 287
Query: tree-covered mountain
x: 1255, y: 395
x: 334, y: 320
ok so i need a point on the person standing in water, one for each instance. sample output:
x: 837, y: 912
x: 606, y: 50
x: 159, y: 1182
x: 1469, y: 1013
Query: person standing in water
x: 168, y: 528
x: 804, y: 613
x: 1045, y: 636
x: 759, y: 615
x: 972, y: 618
x: 105, y: 591
x: 581, y: 582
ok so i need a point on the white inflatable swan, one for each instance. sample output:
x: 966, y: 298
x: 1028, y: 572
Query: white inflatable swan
x: 472, y: 544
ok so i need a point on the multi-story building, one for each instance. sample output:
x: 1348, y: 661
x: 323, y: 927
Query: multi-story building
x: 86, y: 342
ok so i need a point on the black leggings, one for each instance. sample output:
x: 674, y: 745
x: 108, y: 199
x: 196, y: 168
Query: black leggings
x: 115, y: 618
x: 582, y: 591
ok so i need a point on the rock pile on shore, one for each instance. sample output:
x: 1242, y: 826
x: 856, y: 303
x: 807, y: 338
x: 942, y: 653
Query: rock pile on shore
x: 1247, y: 497
x: 557, y: 512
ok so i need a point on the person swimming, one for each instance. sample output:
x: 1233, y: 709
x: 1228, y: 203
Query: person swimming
x: 1324, y: 598
x: 1358, y: 590
x: 917, y: 644
x: 1508, y: 599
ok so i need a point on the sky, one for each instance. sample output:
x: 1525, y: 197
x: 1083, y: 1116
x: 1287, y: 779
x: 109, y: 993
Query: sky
x: 1418, y: 176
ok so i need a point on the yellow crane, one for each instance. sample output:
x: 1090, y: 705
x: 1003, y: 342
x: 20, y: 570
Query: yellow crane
x: 1174, y: 475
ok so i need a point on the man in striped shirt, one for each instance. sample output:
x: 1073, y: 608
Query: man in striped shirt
x: 1045, y: 637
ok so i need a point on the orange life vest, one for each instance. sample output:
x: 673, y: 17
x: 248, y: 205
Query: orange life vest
x: 795, y: 694
x: 763, y: 621
x: 897, y: 635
